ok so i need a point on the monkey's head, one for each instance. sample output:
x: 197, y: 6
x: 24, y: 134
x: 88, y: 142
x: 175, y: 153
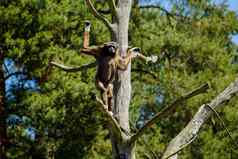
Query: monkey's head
x: 110, y: 49
x: 134, y: 51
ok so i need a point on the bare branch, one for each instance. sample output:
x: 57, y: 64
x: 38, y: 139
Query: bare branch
x: 98, y: 15
x: 115, y: 126
x: 168, y: 13
x: 157, y: 7
x: 104, y: 11
x: 164, y: 112
x: 223, y: 124
x: 15, y: 74
x: 113, y: 7
x: 73, y: 69
x: 190, y: 132
x: 5, y: 66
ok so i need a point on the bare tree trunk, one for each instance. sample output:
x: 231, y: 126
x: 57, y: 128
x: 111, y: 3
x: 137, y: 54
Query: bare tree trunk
x: 122, y: 86
x: 3, y: 133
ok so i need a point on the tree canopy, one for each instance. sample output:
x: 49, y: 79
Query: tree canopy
x: 192, y: 40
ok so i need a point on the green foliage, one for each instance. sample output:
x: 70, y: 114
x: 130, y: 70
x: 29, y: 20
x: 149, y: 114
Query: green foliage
x: 194, y: 46
x: 64, y: 111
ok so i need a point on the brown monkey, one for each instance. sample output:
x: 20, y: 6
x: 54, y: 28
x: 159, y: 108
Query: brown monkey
x: 108, y: 61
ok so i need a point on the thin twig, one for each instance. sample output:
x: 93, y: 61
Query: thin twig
x: 113, y: 7
x: 168, y: 13
x: 15, y: 74
x: 223, y: 124
x: 98, y: 15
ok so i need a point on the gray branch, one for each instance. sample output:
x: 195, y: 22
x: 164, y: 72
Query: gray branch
x: 168, y: 13
x: 113, y: 7
x: 99, y: 16
x: 190, y: 132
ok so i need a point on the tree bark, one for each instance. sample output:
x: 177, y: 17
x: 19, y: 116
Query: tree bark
x: 122, y: 85
x: 3, y: 132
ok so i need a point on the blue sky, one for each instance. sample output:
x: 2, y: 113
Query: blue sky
x: 233, y: 5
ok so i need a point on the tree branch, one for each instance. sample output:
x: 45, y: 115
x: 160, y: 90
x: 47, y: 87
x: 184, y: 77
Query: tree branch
x: 104, y: 11
x: 15, y: 74
x: 172, y: 15
x: 113, y: 7
x: 114, y: 125
x: 164, y: 112
x: 190, y: 132
x: 73, y: 69
x: 98, y: 15
x: 5, y: 66
x: 157, y: 7
x: 223, y: 124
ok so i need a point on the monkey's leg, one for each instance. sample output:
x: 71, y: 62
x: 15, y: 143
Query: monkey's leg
x: 110, y: 97
x: 100, y: 86
x: 104, y: 97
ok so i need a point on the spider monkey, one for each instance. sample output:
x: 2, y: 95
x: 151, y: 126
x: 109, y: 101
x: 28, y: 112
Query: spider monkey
x: 108, y: 61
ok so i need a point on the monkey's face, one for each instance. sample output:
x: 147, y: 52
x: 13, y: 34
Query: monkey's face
x: 110, y: 49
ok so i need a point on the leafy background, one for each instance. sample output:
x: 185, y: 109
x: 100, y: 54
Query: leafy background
x: 58, y: 117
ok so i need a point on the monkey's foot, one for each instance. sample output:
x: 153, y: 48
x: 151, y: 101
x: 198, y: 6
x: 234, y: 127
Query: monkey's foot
x: 101, y: 102
x: 110, y: 112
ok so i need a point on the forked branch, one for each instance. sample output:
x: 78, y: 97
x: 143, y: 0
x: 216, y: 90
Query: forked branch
x: 73, y: 69
x: 190, y: 132
x: 164, y: 112
x: 113, y: 7
x: 98, y: 15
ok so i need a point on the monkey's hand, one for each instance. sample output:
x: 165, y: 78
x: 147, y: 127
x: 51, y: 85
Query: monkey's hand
x: 135, y: 52
x: 87, y: 25
x: 152, y: 58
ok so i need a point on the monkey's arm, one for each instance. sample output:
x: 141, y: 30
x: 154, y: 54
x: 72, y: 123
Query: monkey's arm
x: 100, y: 85
x: 89, y: 50
x: 122, y: 63
x: 136, y: 52
x: 152, y: 58
x: 92, y: 51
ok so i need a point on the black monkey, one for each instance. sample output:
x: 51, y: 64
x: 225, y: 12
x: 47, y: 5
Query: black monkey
x: 108, y: 61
